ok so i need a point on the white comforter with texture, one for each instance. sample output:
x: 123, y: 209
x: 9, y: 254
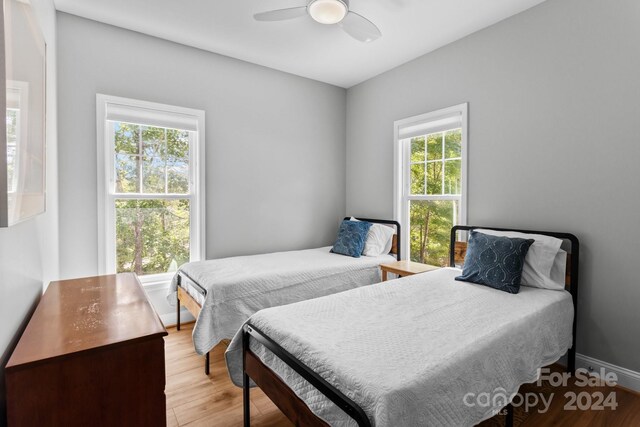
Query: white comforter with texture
x: 408, y: 351
x: 238, y: 287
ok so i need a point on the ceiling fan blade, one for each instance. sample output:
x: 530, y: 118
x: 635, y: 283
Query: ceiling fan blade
x: 281, y: 14
x: 360, y: 28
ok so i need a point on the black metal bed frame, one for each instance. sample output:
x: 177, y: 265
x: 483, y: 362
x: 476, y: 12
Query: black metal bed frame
x: 335, y: 395
x: 348, y: 405
x: 203, y: 291
x: 573, y: 274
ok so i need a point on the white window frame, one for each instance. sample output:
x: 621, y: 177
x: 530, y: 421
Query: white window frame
x: 402, y: 178
x: 106, y: 184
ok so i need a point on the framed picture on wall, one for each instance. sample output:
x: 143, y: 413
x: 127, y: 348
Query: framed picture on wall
x: 22, y: 134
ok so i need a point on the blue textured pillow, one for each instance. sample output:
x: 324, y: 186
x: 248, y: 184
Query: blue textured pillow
x: 352, y: 236
x: 495, y: 261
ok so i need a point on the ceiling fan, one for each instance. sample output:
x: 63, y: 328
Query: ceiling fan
x: 328, y: 12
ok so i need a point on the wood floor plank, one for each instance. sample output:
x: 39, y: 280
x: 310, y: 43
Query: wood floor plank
x: 195, y: 399
x: 262, y: 402
x: 272, y: 419
x: 171, y: 419
x: 185, y: 395
x: 220, y: 403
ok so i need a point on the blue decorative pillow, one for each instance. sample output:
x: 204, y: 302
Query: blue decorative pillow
x: 352, y: 236
x: 495, y: 261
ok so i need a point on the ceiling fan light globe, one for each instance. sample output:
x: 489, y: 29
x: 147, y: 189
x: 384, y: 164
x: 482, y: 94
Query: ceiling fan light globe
x: 327, y: 11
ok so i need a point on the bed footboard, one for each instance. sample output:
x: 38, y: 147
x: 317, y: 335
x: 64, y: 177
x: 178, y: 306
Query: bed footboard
x: 183, y: 298
x: 280, y: 393
x: 284, y: 398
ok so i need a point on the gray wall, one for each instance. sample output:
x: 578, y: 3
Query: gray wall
x: 275, y: 143
x: 554, y: 102
x: 28, y: 251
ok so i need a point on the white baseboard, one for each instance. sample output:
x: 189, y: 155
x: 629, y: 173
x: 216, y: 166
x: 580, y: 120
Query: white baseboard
x: 626, y: 377
x: 169, y: 319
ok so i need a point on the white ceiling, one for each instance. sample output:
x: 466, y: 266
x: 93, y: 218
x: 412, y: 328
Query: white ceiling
x: 410, y: 28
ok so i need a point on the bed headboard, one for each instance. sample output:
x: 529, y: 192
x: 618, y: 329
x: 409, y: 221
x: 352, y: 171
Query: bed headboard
x: 395, y: 247
x: 458, y: 249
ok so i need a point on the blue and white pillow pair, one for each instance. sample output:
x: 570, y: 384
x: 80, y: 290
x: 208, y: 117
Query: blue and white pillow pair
x: 352, y: 236
x: 495, y: 261
x: 379, y: 239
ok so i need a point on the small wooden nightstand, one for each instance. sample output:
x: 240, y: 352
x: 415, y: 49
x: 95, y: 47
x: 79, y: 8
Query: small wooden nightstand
x: 405, y: 268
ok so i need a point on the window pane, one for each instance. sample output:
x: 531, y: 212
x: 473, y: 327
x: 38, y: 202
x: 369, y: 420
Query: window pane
x: 12, y: 143
x: 178, y: 144
x: 127, y: 138
x: 434, y: 178
x: 153, y: 141
x: 434, y: 146
x: 452, y: 176
x: 453, y: 143
x: 417, y: 149
x: 12, y: 126
x: 177, y: 176
x: 417, y: 178
x: 11, y: 167
x: 152, y: 236
x: 153, y: 175
x: 177, y: 161
x: 430, y: 223
x: 127, y: 173
x: 154, y: 160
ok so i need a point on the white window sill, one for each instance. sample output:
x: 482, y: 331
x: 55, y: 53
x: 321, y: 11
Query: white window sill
x: 155, y: 285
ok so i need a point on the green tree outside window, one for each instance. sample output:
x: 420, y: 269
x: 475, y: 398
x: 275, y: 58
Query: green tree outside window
x: 152, y: 233
x: 436, y: 177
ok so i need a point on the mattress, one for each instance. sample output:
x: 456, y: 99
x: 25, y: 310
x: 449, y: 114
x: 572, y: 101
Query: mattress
x: 238, y: 287
x: 194, y: 291
x: 409, y: 351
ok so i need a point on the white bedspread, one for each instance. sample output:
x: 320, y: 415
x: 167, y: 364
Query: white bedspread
x: 238, y: 287
x: 407, y: 351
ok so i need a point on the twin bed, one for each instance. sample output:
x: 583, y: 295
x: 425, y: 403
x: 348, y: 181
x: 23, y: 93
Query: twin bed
x: 223, y: 293
x: 413, y: 351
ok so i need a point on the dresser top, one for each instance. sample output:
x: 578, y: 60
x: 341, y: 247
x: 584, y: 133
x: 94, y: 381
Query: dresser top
x: 86, y: 314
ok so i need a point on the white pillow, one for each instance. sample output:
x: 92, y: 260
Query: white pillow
x: 559, y: 270
x: 379, y: 240
x: 539, y: 260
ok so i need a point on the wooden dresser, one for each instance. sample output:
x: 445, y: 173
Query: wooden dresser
x: 92, y: 355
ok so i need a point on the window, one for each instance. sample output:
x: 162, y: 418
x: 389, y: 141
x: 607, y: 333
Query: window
x: 150, y: 187
x: 17, y: 111
x: 13, y: 136
x: 430, y: 181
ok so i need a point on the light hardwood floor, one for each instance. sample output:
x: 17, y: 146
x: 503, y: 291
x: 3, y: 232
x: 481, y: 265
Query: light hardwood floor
x: 193, y: 399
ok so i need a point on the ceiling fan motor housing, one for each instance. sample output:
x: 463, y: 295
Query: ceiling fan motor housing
x: 328, y: 12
